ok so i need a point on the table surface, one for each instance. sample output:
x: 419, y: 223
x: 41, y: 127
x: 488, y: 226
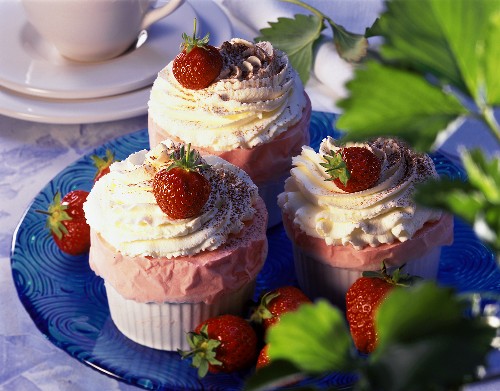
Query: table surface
x: 31, y: 154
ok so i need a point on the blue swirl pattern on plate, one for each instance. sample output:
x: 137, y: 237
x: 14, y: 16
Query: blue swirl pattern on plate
x: 67, y: 301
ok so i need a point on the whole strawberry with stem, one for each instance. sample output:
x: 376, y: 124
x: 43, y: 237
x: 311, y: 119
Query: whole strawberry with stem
x: 198, y: 64
x: 352, y: 169
x: 225, y: 343
x: 364, y: 297
x: 181, y: 190
x: 67, y: 224
x: 277, y: 302
x: 102, y: 164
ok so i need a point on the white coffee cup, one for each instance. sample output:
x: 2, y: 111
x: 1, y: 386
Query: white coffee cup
x: 94, y: 30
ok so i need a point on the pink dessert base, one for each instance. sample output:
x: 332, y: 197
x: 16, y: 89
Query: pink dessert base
x: 329, y: 271
x: 156, y: 301
x: 267, y: 164
x: 201, y: 277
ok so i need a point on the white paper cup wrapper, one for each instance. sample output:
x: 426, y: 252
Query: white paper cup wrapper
x: 164, y: 325
x: 318, y: 279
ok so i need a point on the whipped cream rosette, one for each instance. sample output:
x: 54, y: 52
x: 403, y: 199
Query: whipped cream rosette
x: 182, y: 269
x: 255, y: 114
x: 337, y: 235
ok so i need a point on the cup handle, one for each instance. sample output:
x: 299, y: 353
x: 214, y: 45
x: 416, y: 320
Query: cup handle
x: 157, y: 13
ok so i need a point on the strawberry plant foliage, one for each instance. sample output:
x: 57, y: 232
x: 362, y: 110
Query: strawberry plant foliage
x: 477, y: 201
x: 310, y: 332
x: 415, y: 348
x: 451, y: 46
x: 387, y: 101
x: 431, y: 329
x: 297, y: 36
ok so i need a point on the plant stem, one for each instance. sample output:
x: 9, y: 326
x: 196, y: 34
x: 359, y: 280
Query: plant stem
x: 488, y: 115
x: 315, y: 11
x: 306, y: 6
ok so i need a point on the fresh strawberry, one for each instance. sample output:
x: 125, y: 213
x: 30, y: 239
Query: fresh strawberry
x: 263, y: 358
x: 67, y: 224
x: 353, y: 168
x: 198, y: 64
x: 180, y: 190
x: 225, y: 343
x: 362, y: 301
x: 102, y: 164
x: 276, y: 303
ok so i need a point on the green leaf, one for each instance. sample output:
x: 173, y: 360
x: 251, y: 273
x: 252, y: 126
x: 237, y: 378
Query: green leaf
x: 351, y: 47
x: 388, y: 101
x: 428, y: 301
x: 452, y: 39
x: 413, y: 342
x: 336, y: 167
x: 457, y: 197
x: 413, y: 37
x: 491, y: 56
x: 483, y: 174
x: 296, y: 38
x: 477, y: 201
x: 313, y: 331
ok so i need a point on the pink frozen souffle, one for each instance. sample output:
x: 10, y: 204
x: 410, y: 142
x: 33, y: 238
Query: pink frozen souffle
x: 338, y: 235
x: 255, y: 115
x: 164, y: 276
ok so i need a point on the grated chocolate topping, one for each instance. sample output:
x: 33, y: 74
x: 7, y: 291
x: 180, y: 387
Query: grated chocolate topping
x: 243, y: 60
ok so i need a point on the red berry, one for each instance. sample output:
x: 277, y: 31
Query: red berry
x: 198, y: 64
x: 102, y: 164
x: 180, y: 190
x: 278, y: 302
x: 263, y: 358
x: 353, y: 168
x: 67, y: 223
x: 362, y: 301
x: 225, y: 343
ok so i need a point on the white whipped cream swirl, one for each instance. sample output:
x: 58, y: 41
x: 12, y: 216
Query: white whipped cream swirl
x: 256, y: 97
x: 382, y: 214
x: 122, y: 208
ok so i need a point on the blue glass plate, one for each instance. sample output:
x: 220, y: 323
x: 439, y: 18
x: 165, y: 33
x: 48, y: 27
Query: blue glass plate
x: 67, y: 301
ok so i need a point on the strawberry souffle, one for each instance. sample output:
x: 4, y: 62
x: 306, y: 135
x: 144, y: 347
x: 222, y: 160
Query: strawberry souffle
x: 254, y: 114
x: 164, y: 275
x: 338, y: 231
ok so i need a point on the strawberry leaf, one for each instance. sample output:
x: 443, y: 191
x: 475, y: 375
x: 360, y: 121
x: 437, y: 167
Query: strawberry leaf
x: 435, y: 53
x: 336, y: 167
x: 477, y: 201
x: 389, y: 101
x: 313, y: 331
x: 484, y: 175
x: 454, y: 40
x: 296, y: 38
x: 351, y: 47
x: 431, y: 330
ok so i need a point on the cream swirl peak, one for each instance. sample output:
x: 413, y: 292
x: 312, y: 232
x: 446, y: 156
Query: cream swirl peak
x: 122, y: 208
x: 242, y: 60
x: 255, y: 98
x: 384, y: 213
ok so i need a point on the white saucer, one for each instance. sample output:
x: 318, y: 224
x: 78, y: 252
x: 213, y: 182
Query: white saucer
x: 32, y: 66
x: 109, y: 108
